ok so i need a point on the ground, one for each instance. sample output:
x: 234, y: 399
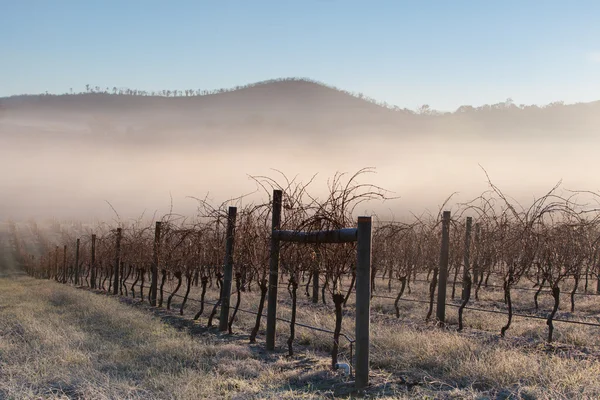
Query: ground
x: 58, y: 341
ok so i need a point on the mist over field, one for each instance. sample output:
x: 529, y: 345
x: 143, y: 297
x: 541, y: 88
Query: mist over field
x: 68, y: 156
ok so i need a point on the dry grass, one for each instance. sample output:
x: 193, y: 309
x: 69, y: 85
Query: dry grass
x: 409, y: 354
x: 60, y: 342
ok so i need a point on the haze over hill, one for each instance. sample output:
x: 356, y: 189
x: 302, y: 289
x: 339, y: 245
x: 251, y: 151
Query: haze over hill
x: 277, y: 107
x: 66, y: 154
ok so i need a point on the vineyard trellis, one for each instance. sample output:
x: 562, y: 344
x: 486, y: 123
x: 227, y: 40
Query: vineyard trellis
x: 362, y: 236
x: 554, y: 244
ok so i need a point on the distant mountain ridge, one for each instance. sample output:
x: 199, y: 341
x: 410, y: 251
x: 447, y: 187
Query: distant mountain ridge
x: 291, y: 104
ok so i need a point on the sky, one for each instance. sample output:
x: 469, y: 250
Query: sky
x: 407, y: 53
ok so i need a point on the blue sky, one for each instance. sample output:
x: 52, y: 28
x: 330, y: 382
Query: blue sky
x: 408, y: 53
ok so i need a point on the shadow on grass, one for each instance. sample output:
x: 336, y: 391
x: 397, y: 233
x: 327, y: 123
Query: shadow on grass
x: 301, y: 373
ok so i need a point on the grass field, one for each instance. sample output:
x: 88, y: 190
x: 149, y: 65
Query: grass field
x: 58, y: 341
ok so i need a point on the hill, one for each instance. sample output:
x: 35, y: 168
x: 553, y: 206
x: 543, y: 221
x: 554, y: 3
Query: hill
x: 285, y: 107
x: 278, y: 105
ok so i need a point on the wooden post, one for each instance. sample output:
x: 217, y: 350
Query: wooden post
x: 467, y: 255
x: 56, y: 274
x: 475, y: 265
x: 315, y: 276
x: 441, y: 297
x: 315, y: 282
x: 154, y: 281
x: 64, y: 274
x: 273, y: 271
x: 363, y: 301
x: 77, y: 263
x: 228, y: 271
x: 93, y: 266
x: 116, y: 282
